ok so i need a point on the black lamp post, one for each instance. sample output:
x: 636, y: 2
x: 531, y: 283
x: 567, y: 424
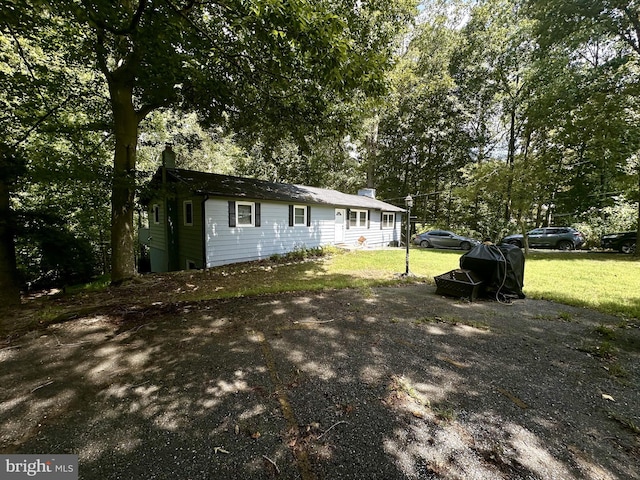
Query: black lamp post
x: 408, y: 201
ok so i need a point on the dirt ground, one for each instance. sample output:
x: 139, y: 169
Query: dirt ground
x: 383, y: 383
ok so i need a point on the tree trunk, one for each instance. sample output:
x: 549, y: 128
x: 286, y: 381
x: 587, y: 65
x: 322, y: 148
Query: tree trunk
x: 637, y: 252
x: 371, y: 146
x: 9, y: 291
x: 125, y: 120
x: 511, y: 156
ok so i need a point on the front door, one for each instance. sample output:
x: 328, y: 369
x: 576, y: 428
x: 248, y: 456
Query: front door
x: 341, y: 213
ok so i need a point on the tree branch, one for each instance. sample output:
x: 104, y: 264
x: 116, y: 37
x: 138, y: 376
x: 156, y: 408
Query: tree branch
x: 135, y: 20
x: 40, y: 120
x: 147, y: 109
x: 635, y: 22
x: 23, y: 56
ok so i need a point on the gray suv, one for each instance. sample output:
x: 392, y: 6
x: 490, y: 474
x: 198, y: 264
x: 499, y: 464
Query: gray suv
x: 562, y: 238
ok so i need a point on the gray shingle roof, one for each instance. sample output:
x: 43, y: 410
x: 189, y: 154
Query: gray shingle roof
x: 212, y: 184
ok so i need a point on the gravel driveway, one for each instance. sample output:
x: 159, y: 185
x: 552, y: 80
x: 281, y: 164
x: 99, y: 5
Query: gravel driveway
x: 384, y: 383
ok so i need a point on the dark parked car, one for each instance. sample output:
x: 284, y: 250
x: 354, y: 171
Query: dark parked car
x: 444, y: 239
x: 562, y: 238
x: 624, y: 242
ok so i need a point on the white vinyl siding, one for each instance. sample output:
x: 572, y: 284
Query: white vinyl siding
x: 275, y: 236
x: 226, y: 244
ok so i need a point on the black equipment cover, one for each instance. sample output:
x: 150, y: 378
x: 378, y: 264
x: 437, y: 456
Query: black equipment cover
x: 501, y: 267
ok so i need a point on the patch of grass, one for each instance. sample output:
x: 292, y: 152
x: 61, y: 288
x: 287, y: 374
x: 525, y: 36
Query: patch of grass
x: 444, y: 413
x: 403, y: 384
x: 604, y: 349
x: 609, y: 283
x: 618, y: 371
x: 566, y: 316
x: 606, y: 282
x: 95, y: 285
x: 452, y: 321
x: 625, y: 422
x: 605, y: 332
x: 366, y: 291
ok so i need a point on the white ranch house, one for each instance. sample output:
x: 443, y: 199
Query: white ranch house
x: 201, y: 220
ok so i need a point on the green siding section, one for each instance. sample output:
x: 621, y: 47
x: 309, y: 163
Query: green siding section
x: 188, y: 244
x: 190, y: 236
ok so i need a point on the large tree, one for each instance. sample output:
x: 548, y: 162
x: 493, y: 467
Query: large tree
x: 612, y: 29
x: 422, y: 136
x: 50, y: 151
x: 246, y: 63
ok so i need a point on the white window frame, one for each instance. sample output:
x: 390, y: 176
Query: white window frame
x: 253, y: 214
x: 304, y: 216
x: 388, y: 220
x: 155, y: 213
x: 360, y: 221
x: 185, y: 204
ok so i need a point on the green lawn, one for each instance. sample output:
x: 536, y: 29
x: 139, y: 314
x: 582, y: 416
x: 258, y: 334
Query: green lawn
x: 607, y: 282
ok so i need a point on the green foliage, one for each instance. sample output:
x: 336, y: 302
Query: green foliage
x: 206, y: 150
x: 49, y: 254
x: 620, y: 217
x: 423, y: 138
x: 53, y: 121
x: 498, y: 115
x: 494, y: 135
x: 260, y: 66
x: 304, y: 253
x: 600, y: 42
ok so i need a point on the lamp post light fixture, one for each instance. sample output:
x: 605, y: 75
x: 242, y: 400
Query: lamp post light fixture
x: 408, y: 201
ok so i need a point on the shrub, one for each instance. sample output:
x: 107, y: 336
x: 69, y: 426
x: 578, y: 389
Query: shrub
x: 49, y: 254
x: 621, y: 217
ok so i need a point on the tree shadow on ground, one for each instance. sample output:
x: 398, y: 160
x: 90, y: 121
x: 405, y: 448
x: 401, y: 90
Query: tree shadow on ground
x: 389, y: 383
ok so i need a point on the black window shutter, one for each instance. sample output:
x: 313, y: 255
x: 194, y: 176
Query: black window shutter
x: 232, y: 213
x: 348, y: 219
x: 257, y: 210
x: 368, y: 218
x: 308, y: 215
x: 291, y: 215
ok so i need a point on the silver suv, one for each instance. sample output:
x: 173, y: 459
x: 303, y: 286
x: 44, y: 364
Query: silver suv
x: 562, y: 238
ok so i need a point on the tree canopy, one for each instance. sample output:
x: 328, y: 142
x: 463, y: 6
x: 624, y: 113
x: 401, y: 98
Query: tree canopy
x: 497, y: 115
x: 245, y: 64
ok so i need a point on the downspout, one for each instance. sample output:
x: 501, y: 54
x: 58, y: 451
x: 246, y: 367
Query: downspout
x: 204, y: 233
x: 165, y: 212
